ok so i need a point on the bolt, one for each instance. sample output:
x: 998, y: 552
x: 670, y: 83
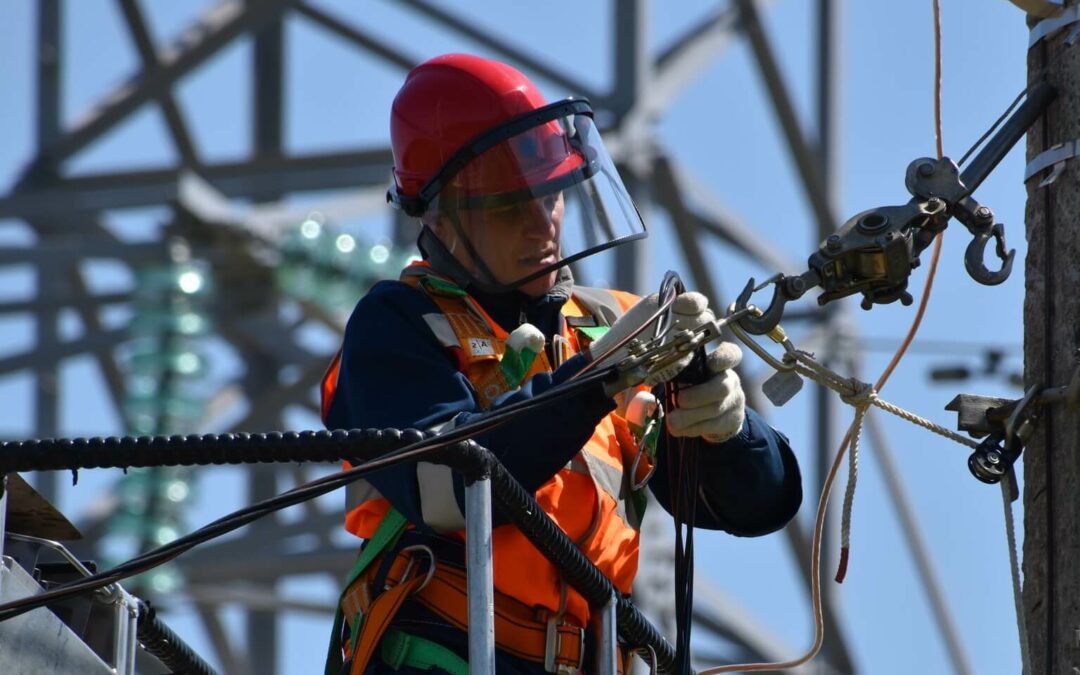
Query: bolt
x: 934, y: 204
x: 833, y: 242
x: 993, y: 457
x: 926, y: 169
x: 984, y: 213
x: 797, y: 284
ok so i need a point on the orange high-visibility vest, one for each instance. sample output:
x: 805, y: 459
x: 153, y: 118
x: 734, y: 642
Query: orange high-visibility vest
x: 588, y: 498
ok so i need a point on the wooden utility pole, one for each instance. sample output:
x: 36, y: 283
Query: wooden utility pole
x: 1051, y: 343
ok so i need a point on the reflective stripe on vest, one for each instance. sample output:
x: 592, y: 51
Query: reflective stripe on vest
x: 587, y: 498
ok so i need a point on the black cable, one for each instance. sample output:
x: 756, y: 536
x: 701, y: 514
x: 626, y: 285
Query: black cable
x: 418, y: 446
x: 160, y: 640
x: 1038, y: 78
x: 683, y: 487
x: 995, y: 125
x: 98, y: 452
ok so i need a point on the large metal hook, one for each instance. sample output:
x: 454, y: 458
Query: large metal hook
x: 976, y: 251
x: 769, y: 318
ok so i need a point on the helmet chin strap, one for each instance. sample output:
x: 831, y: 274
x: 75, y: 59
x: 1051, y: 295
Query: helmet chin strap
x: 442, y: 260
x: 488, y: 279
x: 445, y: 262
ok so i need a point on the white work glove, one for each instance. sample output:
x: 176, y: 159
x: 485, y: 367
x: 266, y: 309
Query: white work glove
x: 714, y: 409
x: 689, y: 310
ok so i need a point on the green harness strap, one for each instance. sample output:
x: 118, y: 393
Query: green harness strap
x: 388, y: 532
x: 397, y: 648
x: 401, y: 649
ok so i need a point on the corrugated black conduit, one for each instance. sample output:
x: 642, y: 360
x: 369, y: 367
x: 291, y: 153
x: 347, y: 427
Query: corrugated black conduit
x: 357, y: 445
x: 162, y: 642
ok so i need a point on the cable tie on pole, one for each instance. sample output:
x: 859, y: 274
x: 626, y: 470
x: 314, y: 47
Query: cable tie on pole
x: 1056, y: 156
x: 1049, y: 27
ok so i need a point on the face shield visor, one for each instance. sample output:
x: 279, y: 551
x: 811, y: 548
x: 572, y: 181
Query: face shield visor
x: 534, y: 195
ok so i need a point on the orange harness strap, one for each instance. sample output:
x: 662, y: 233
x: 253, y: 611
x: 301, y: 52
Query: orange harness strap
x: 518, y: 628
x: 377, y: 619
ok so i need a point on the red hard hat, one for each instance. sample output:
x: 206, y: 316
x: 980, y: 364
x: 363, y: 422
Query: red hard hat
x: 452, y: 100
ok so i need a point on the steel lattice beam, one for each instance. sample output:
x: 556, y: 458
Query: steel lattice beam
x: 216, y: 29
x: 644, y: 87
x: 243, y: 179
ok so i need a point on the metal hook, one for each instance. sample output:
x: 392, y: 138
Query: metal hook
x: 776, y: 334
x: 976, y: 251
x: 763, y: 322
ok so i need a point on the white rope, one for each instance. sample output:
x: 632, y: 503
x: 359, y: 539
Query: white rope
x: 854, y: 392
x: 853, y: 475
x: 1014, y: 565
x: 860, y: 395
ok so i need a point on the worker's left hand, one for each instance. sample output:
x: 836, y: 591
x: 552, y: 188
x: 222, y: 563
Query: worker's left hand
x: 714, y: 409
x: 689, y: 310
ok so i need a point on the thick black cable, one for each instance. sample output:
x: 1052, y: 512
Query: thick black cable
x: 295, y: 446
x: 248, y: 448
x: 993, y: 127
x: 1039, y: 98
x: 1038, y: 79
x: 274, y: 446
x: 508, y: 496
x: 548, y: 538
x: 576, y: 568
x: 160, y: 640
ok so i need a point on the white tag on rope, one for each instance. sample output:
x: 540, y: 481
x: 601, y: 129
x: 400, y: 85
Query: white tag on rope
x: 782, y: 386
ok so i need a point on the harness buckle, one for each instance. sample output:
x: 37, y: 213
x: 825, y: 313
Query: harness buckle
x: 552, y: 645
x: 412, y: 560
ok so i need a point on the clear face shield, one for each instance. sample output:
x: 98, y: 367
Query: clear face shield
x: 530, y: 197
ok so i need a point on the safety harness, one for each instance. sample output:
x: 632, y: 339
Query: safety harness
x: 375, y: 592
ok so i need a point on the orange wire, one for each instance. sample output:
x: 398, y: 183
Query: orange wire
x: 826, y: 490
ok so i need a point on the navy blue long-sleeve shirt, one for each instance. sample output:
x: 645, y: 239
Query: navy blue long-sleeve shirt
x: 395, y: 373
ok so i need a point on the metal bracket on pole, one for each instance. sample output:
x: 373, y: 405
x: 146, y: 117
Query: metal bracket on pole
x: 1040, y: 7
x: 1055, y: 157
x: 480, y: 578
x: 1058, y: 22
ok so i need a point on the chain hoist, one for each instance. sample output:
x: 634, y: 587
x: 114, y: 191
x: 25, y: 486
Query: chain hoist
x: 874, y: 252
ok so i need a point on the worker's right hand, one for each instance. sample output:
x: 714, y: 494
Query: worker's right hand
x: 689, y: 310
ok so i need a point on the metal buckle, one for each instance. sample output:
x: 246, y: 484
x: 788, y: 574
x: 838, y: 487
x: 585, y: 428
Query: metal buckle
x: 552, y: 645
x: 553, y: 639
x: 409, y: 565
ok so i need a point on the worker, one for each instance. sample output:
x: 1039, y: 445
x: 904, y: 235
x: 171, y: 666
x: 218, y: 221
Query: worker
x: 490, y: 317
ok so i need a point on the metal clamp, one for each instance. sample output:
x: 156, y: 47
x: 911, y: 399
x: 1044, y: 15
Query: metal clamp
x: 409, y: 565
x: 108, y: 593
x: 1055, y: 157
x: 995, y: 456
x: 1040, y: 7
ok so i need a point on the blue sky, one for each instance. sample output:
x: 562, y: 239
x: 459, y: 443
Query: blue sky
x: 721, y: 129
